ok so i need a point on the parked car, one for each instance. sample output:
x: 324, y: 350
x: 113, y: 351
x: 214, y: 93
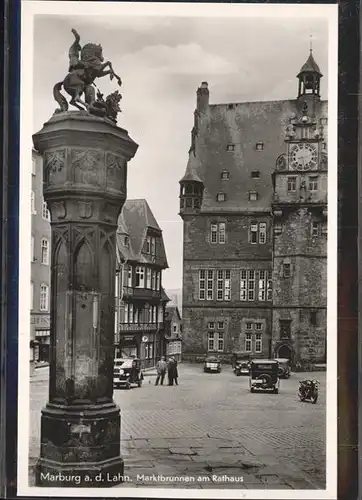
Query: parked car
x: 127, y: 372
x: 242, y: 368
x: 284, y: 367
x: 212, y: 364
x: 264, y: 375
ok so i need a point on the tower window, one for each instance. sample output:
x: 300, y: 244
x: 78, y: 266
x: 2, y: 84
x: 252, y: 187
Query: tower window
x: 292, y: 184
x: 188, y: 202
x: 230, y: 147
x: 313, y: 183
x: 286, y: 270
x: 285, y: 330
x: 253, y: 196
x: 255, y: 174
x: 313, y: 318
x: 221, y: 197
x: 259, y: 146
x: 225, y: 175
x: 315, y: 229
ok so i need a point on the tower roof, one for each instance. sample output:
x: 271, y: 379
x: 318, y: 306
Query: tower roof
x: 192, y: 168
x: 310, y: 66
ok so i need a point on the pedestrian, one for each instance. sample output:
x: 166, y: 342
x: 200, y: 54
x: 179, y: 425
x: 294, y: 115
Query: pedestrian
x: 172, y: 371
x: 161, y: 368
x: 176, y: 372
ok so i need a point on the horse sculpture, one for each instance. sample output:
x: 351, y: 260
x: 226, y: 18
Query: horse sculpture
x: 81, y: 76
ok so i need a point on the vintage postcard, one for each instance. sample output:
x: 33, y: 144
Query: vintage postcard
x: 178, y: 250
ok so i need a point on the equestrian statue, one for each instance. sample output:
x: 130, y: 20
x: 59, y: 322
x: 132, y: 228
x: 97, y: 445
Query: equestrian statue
x: 83, y: 71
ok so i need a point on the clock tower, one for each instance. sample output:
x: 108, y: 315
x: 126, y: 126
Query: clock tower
x: 299, y: 211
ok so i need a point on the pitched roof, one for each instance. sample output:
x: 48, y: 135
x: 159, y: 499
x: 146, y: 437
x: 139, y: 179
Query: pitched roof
x: 191, y: 170
x: 243, y: 126
x: 170, y: 311
x: 310, y: 66
x: 134, y: 221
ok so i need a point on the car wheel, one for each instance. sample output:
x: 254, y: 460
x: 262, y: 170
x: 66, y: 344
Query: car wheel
x: 251, y: 389
x: 276, y: 390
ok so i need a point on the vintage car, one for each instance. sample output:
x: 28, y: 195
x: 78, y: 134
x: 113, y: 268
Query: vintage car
x: 212, y: 364
x: 127, y: 372
x: 242, y: 367
x: 264, y: 375
x: 284, y: 367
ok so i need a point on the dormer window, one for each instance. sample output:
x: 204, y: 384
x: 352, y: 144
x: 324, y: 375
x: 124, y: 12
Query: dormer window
x: 255, y: 174
x: 221, y: 197
x: 253, y: 196
x: 225, y: 175
x: 259, y: 146
x: 230, y: 147
x: 126, y: 241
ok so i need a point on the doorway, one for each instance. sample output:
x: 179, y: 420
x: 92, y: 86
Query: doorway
x: 284, y: 351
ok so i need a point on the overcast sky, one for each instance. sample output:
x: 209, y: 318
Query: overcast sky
x: 162, y: 61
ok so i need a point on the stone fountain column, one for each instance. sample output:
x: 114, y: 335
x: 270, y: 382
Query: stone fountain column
x: 85, y: 178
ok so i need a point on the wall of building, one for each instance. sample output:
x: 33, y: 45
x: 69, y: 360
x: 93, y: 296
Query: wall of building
x: 40, y: 273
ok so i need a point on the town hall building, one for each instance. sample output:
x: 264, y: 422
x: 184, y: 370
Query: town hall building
x: 254, y: 206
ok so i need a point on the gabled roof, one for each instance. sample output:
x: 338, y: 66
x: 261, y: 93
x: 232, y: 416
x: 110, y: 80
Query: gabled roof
x: 310, y: 66
x: 135, y: 220
x: 164, y: 296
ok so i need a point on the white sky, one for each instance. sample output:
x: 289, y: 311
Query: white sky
x: 162, y: 61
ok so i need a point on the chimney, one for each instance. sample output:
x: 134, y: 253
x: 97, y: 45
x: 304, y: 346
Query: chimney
x: 202, y: 98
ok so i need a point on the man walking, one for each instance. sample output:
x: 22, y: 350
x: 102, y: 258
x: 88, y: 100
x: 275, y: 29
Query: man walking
x: 161, y: 368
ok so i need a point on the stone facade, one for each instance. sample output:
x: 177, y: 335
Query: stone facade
x: 254, y: 206
x: 40, y: 267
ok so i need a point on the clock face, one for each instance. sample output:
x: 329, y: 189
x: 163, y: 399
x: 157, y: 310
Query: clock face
x: 303, y: 156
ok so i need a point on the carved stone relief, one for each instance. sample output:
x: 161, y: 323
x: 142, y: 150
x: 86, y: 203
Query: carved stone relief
x: 54, y: 163
x: 85, y: 209
x: 86, y: 166
x: 58, y: 209
x: 116, y: 172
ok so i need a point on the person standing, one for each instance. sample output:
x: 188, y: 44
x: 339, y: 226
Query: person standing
x: 172, y: 371
x: 161, y: 368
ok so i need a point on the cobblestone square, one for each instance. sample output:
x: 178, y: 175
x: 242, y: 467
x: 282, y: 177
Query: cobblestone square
x: 212, y: 429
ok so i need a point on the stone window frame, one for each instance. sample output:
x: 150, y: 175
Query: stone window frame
x: 225, y: 175
x: 230, y: 147
x: 288, y: 324
x: 45, y: 211
x: 221, y: 197
x: 202, y: 284
x: 258, y: 342
x: 259, y: 146
x: 44, y: 297
x: 210, y: 276
x: 292, y: 183
x: 214, y: 340
x: 313, y: 318
x: 217, y: 232
x: 287, y: 270
x: 255, y: 174
x: 44, y: 251
x: 253, y: 196
x: 313, y: 183
x: 315, y: 229
x: 248, y: 342
x: 262, y: 232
